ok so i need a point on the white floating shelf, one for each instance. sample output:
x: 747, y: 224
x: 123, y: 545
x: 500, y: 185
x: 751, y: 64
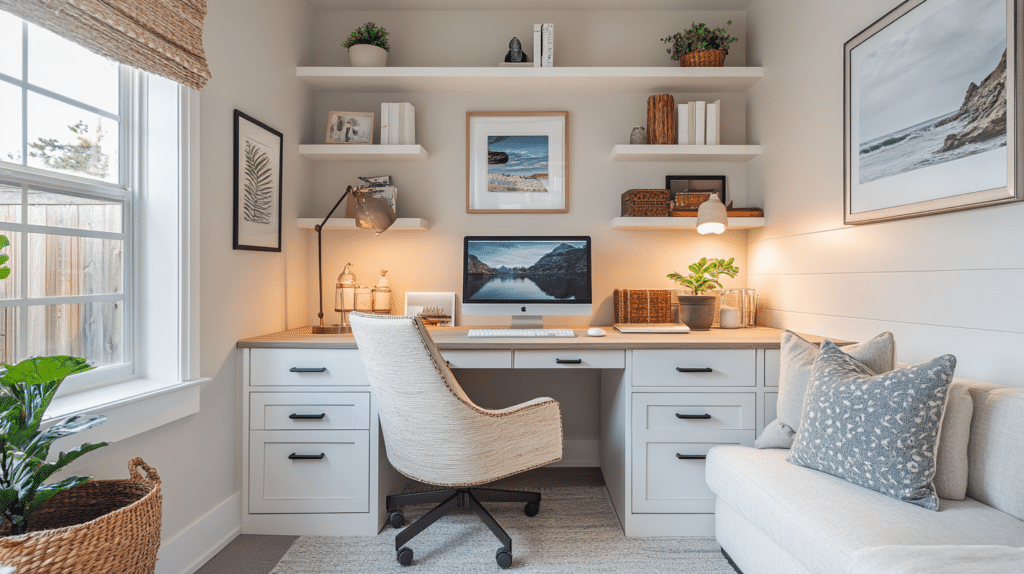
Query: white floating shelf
x: 674, y: 79
x: 727, y: 153
x: 358, y: 152
x: 679, y: 223
x: 348, y: 224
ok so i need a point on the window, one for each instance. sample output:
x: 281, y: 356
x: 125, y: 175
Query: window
x: 67, y: 201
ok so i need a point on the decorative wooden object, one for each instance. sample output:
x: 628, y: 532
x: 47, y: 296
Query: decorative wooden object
x: 661, y: 119
x: 642, y: 305
x: 645, y: 203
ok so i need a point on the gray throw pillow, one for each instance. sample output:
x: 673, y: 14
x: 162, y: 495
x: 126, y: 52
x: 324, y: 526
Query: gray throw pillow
x: 878, y: 431
x: 797, y: 357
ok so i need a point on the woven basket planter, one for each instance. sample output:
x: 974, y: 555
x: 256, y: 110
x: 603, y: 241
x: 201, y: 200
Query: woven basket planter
x: 100, y: 527
x: 703, y: 58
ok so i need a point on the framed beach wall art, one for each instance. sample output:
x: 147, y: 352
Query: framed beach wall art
x: 350, y: 127
x: 257, y: 194
x: 931, y: 110
x: 517, y: 162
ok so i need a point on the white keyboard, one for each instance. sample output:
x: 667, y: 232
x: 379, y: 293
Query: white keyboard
x: 521, y: 333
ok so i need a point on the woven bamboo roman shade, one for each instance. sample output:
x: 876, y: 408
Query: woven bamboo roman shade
x: 164, y: 37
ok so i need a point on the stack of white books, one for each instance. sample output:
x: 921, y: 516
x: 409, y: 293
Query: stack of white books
x: 544, y: 45
x: 700, y: 123
x: 397, y: 124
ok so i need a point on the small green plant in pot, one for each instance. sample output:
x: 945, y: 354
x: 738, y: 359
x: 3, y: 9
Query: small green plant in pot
x: 700, y: 45
x: 368, y: 45
x: 697, y: 310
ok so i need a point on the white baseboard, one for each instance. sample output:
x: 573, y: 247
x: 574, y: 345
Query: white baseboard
x: 201, y: 540
x: 580, y: 453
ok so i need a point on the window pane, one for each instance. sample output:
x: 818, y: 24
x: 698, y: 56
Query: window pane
x: 72, y: 212
x: 10, y: 202
x: 64, y: 266
x: 71, y: 140
x: 70, y: 70
x: 9, y: 321
x: 10, y: 288
x: 90, y: 330
x: 10, y: 123
x: 10, y: 45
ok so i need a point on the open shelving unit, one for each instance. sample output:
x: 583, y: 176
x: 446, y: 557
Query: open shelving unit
x: 726, y: 153
x: 679, y: 223
x: 357, y: 152
x: 349, y: 224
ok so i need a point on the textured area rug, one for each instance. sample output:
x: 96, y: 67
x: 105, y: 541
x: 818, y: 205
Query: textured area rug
x: 576, y: 531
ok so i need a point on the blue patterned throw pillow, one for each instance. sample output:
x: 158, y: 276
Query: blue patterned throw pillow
x: 878, y: 431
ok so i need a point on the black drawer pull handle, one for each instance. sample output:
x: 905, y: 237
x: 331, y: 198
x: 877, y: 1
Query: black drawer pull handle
x: 294, y: 456
x: 691, y: 456
x: 569, y: 361
x: 694, y: 369
x: 308, y: 369
x: 299, y: 417
x: 704, y: 416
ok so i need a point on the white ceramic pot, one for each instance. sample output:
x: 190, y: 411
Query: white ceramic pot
x: 367, y: 55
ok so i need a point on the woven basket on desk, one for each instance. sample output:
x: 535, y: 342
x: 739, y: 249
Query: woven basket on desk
x: 99, y: 527
x: 643, y: 305
x: 703, y: 58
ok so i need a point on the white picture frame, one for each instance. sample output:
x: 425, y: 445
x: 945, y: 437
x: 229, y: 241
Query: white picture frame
x: 435, y: 307
x: 350, y: 128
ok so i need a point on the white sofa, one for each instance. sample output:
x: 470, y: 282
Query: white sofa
x: 775, y: 517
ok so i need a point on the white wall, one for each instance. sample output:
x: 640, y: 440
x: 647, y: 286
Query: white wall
x: 942, y: 284
x: 252, y: 49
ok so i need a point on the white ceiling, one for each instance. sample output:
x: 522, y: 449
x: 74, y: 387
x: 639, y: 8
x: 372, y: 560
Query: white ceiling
x: 526, y: 5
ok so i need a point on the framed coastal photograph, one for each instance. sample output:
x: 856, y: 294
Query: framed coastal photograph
x: 517, y: 162
x: 931, y: 110
x: 437, y: 309
x: 350, y: 128
x: 257, y: 209
x: 687, y: 192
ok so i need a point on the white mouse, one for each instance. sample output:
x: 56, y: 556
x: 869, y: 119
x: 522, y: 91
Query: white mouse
x: 595, y: 332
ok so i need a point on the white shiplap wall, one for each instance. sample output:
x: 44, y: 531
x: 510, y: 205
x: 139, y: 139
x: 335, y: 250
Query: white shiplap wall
x: 948, y: 283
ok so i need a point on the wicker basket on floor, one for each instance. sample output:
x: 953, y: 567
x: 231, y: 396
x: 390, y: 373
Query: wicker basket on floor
x: 100, y: 527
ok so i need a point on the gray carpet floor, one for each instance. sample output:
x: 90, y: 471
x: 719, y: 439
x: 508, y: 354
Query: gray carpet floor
x: 576, y: 531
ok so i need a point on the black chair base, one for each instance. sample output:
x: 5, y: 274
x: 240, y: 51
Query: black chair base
x: 448, y: 500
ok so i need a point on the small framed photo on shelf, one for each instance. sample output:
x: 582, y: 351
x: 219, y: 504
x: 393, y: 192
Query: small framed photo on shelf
x: 517, y: 162
x: 257, y: 210
x: 687, y: 192
x: 437, y: 309
x: 350, y: 128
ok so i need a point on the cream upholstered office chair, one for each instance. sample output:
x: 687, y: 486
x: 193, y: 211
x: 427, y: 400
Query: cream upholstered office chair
x: 435, y: 434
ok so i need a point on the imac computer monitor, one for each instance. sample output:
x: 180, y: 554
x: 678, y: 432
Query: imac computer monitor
x: 526, y: 277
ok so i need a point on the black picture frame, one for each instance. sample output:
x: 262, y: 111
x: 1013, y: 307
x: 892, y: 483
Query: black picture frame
x: 258, y: 160
x: 680, y: 184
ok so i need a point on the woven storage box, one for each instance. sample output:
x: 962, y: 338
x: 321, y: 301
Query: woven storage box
x: 703, y: 58
x: 645, y: 203
x: 643, y: 305
x: 100, y: 527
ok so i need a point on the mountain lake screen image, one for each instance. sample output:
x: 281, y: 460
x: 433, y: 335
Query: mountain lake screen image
x: 553, y: 271
x: 921, y: 105
x: 517, y: 164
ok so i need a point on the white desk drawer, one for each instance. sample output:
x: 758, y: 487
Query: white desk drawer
x: 694, y: 368
x: 309, y: 411
x: 306, y: 367
x: 479, y: 359
x: 668, y: 476
x: 694, y: 411
x: 569, y: 359
x: 309, y: 472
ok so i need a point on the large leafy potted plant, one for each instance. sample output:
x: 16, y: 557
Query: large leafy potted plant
x: 700, y: 45
x: 368, y: 46
x: 698, y: 310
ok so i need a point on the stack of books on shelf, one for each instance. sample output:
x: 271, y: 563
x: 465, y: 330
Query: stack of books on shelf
x: 544, y: 45
x: 700, y: 123
x: 397, y: 124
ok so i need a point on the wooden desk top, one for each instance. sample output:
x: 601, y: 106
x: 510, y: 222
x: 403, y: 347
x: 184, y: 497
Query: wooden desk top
x: 454, y: 338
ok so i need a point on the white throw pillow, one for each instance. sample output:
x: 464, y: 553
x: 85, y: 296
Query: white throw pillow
x: 797, y: 357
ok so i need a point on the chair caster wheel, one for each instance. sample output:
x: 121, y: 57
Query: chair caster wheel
x: 396, y: 519
x: 405, y: 556
x: 503, y: 557
x: 531, y: 509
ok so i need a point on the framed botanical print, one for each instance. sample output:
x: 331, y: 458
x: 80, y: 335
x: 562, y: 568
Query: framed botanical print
x: 257, y: 194
x: 517, y: 162
x: 931, y: 110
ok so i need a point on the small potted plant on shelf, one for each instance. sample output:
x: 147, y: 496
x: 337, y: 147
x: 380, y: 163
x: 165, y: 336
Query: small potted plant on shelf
x: 368, y: 46
x: 700, y: 45
x: 697, y: 310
